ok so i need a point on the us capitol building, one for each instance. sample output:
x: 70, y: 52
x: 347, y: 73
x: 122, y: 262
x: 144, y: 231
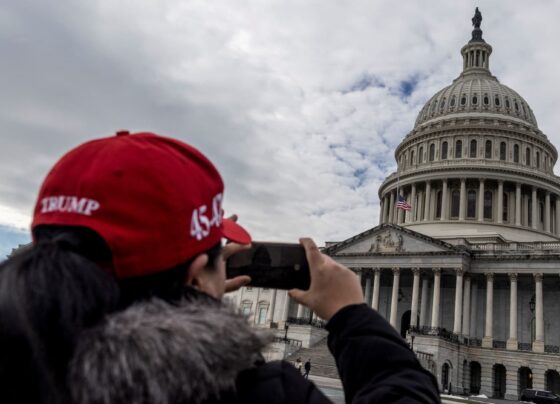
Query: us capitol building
x: 470, y: 276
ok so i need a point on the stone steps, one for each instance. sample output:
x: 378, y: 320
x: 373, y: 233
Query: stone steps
x: 322, y: 362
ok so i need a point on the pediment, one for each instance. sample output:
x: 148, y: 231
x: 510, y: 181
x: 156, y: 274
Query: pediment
x: 389, y: 239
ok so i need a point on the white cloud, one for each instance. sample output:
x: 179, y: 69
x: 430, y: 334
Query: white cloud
x: 298, y: 103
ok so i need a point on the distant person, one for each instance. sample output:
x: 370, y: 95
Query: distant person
x: 307, y: 368
x: 120, y: 298
x: 299, y: 364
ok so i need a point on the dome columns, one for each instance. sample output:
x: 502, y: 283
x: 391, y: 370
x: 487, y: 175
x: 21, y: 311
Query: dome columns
x: 475, y: 199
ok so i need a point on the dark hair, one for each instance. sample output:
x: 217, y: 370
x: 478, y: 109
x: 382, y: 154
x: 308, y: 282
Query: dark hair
x: 53, y: 291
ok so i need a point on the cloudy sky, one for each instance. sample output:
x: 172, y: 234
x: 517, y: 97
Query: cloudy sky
x: 299, y: 103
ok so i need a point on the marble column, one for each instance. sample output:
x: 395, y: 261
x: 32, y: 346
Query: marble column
x: 435, y: 300
x: 412, y: 213
x: 367, y: 294
x: 400, y: 212
x: 547, y: 212
x: 488, y: 336
x: 534, y: 208
x: 458, y: 301
x: 391, y: 207
x: 300, y: 310
x: 427, y: 201
x: 463, y: 199
x: 481, y: 201
x: 444, y: 214
x: 395, y: 297
x: 512, y: 340
x: 557, y: 215
x: 467, y: 306
x: 286, y: 308
x: 376, y: 284
x: 538, y: 343
x: 415, y: 293
x: 386, y: 204
x: 518, y: 204
x: 270, y: 318
x: 500, y: 201
x: 424, y: 302
x: 381, y: 210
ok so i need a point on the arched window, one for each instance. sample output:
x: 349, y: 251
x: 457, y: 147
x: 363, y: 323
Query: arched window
x: 246, y: 307
x: 488, y: 205
x: 497, y: 101
x: 472, y: 150
x: 486, y: 100
x: 471, y: 204
x: 262, y: 311
x: 507, y: 103
x: 474, y: 99
x: 458, y: 149
x: 432, y: 152
x: 444, y: 151
x: 528, y: 156
x: 503, y: 150
x: 538, y: 160
x: 505, y: 205
x: 438, y: 205
x: 455, y: 195
x: 452, y: 103
x: 463, y: 99
x: 412, y: 157
x: 488, y: 149
x: 541, y: 211
x: 516, y: 153
x: 421, y: 155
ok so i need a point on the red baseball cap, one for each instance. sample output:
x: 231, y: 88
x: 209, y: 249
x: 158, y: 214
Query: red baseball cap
x: 156, y: 201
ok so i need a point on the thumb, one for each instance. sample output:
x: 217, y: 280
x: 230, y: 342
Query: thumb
x: 298, y: 295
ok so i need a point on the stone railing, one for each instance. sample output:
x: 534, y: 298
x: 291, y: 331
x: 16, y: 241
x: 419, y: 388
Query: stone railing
x: 524, y: 346
x: 512, y: 247
x: 287, y: 341
x: 552, y: 349
x: 306, y: 321
x: 519, y: 168
x: 435, y: 331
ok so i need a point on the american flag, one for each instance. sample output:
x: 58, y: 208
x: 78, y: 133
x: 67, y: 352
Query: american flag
x: 402, y: 204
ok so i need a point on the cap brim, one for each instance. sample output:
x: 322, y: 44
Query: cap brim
x: 234, y: 232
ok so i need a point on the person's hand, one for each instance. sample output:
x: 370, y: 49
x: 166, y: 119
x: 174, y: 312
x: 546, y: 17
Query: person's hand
x: 333, y: 286
x: 230, y: 249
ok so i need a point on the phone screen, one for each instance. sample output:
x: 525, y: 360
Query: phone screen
x: 272, y: 265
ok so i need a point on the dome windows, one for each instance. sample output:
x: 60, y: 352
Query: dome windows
x: 432, y: 152
x: 507, y: 103
x: 442, y: 105
x: 463, y: 100
x: 488, y: 149
x: 421, y: 155
x: 497, y: 101
x: 503, y: 147
x: 527, y: 156
x: 471, y: 204
x: 516, y: 153
x: 458, y: 149
x: 444, y: 151
x: 488, y: 205
x: 516, y: 105
x: 538, y: 160
x: 472, y: 150
x: 412, y: 157
x: 452, y: 102
x: 486, y: 100
x: 474, y: 99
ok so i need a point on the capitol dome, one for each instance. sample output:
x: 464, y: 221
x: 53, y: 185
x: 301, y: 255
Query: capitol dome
x: 475, y: 166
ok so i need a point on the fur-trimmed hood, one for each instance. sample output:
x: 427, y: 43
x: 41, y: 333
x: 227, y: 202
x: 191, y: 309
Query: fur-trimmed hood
x: 156, y: 352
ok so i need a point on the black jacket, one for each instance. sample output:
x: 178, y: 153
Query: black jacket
x: 201, y: 351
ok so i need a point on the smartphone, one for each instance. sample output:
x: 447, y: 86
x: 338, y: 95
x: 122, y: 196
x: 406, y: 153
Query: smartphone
x: 271, y: 265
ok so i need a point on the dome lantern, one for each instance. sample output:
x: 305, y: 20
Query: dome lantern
x: 476, y: 53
